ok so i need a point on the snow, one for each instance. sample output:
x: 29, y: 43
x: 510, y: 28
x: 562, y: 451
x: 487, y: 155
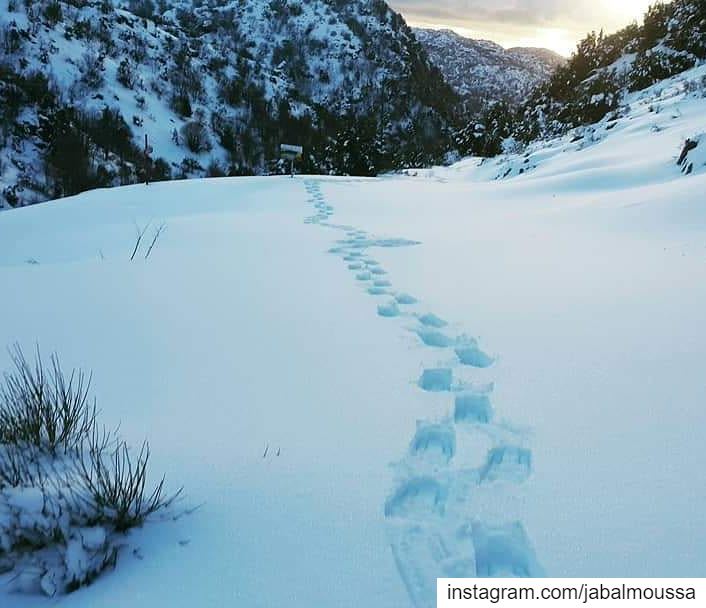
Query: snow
x: 483, y: 70
x: 333, y: 455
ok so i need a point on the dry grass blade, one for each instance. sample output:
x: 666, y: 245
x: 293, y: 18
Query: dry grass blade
x: 117, y: 484
x: 43, y: 408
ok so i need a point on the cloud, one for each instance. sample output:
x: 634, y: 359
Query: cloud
x: 524, y: 21
x: 538, y: 13
x: 481, y: 11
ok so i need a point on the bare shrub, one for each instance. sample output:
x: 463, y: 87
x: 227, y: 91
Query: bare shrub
x: 196, y: 137
x: 92, y: 70
x: 116, y: 485
x: 43, y: 407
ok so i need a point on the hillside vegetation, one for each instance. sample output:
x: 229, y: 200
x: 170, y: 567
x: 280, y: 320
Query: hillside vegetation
x: 217, y: 86
x: 602, y: 71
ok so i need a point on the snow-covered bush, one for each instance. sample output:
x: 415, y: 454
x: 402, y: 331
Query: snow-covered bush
x: 92, y: 70
x: 195, y: 136
x: 10, y: 39
x: 52, y: 12
x: 126, y: 74
x: 181, y: 104
x: 68, y: 490
x: 214, y: 169
x: 653, y: 66
x: 142, y: 8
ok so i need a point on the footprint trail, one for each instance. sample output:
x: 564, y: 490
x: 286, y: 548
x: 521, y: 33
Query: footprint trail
x: 453, y: 511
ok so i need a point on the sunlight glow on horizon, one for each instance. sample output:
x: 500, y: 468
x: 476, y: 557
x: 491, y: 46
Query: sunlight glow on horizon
x: 559, y: 34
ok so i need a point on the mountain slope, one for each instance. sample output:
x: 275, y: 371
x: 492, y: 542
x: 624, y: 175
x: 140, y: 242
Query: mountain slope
x: 216, y: 86
x: 595, y: 82
x: 482, y: 71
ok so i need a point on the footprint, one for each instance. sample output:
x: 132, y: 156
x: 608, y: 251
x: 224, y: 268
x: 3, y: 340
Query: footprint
x: 473, y: 407
x: 431, y: 320
x: 504, y: 551
x: 405, y: 298
x: 389, y: 243
x: 433, y: 337
x: 507, y: 463
x: 364, y: 276
x: 417, y: 550
x: 469, y: 354
x: 436, y: 380
x: 355, y: 266
x: 377, y: 291
x: 434, y: 441
x: 382, y: 283
x: 422, y: 496
x: 389, y: 310
x: 377, y: 270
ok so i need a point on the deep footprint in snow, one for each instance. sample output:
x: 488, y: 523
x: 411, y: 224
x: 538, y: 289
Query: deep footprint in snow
x: 433, y: 337
x: 434, y: 441
x: 382, y: 283
x: 363, y: 276
x: 431, y: 320
x: 436, y: 380
x: 473, y: 407
x: 470, y: 354
x: 507, y: 463
x: 405, y: 298
x: 504, y: 551
x: 422, y: 496
x: 417, y: 551
x: 377, y: 291
x: 389, y: 310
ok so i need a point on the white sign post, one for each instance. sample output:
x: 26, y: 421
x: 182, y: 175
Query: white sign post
x: 291, y: 153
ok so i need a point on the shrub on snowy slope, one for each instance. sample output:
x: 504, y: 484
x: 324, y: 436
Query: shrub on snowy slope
x: 257, y: 73
x: 671, y: 39
x: 68, y: 491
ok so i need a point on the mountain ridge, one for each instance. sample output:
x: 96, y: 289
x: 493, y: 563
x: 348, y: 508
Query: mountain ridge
x: 482, y: 71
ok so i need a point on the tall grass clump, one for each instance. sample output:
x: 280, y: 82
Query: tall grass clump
x: 69, y: 489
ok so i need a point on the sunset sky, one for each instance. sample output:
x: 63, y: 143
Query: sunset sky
x: 553, y: 24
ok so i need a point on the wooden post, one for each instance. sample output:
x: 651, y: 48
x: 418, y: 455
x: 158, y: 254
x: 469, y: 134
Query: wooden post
x: 147, y: 161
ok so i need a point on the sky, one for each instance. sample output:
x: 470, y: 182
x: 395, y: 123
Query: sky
x: 554, y: 24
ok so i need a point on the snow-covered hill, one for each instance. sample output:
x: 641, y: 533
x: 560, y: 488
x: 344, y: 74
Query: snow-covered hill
x: 483, y: 71
x: 217, y: 86
x: 597, y: 80
x: 668, y: 116
x: 527, y: 353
